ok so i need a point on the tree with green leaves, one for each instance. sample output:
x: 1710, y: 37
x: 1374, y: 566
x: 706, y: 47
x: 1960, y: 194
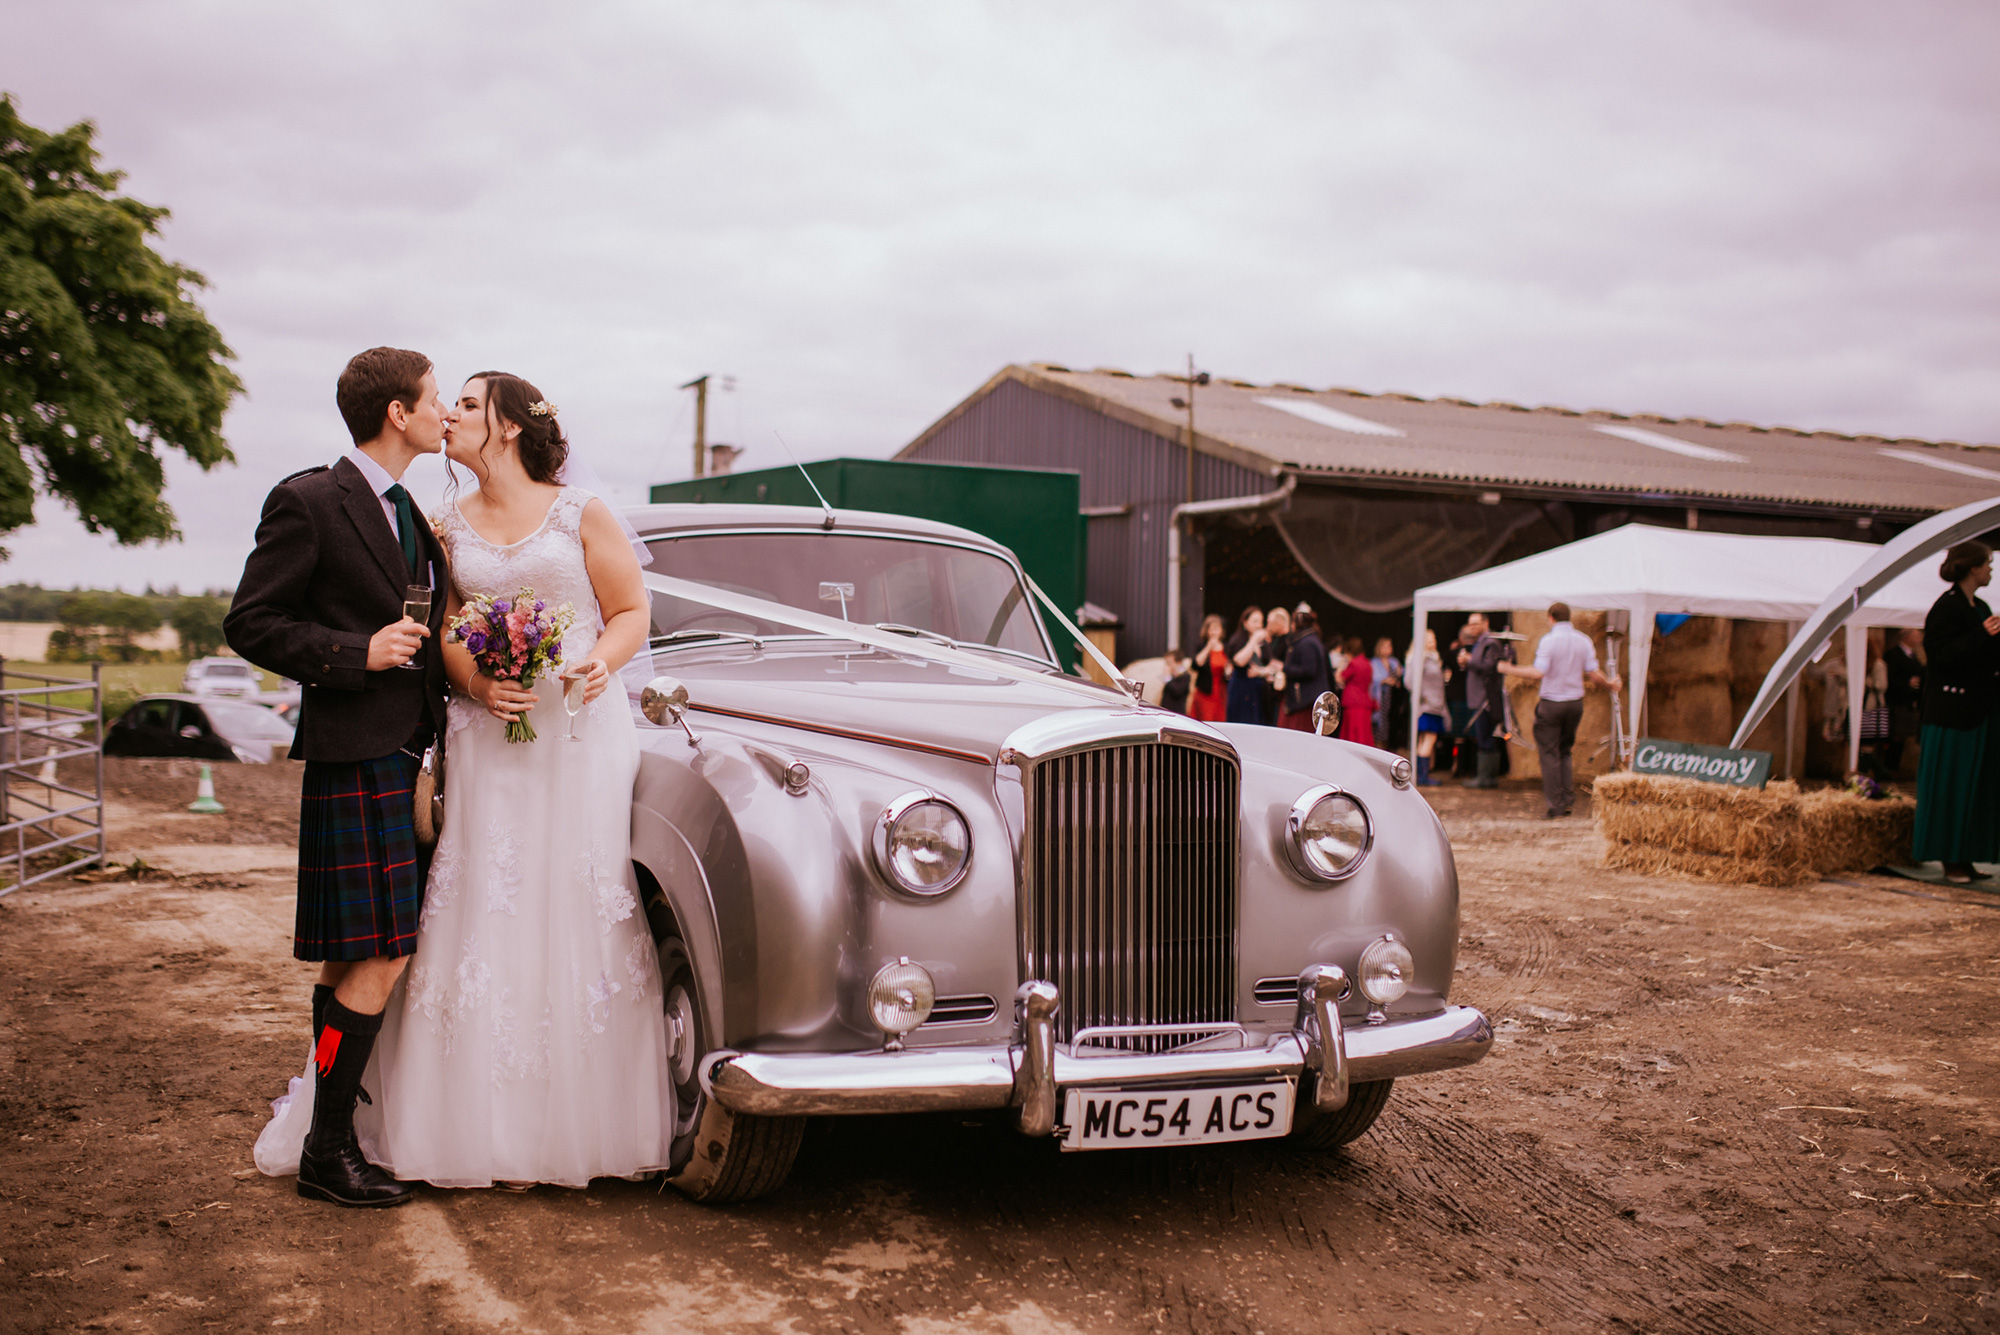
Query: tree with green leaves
x: 197, y: 619
x: 104, y: 358
x: 102, y: 625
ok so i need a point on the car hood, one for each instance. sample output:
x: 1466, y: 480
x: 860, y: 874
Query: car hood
x: 851, y: 688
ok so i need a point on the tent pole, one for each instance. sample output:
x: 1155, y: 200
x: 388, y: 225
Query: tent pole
x: 1791, y: 706
x: 1413, y: 669
x: 1857, y: 684
x: 1640, y: 650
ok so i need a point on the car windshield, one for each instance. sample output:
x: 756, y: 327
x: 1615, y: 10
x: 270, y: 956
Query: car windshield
x: 247, y: 721
x: 967, y: 595
x: 226, y: 670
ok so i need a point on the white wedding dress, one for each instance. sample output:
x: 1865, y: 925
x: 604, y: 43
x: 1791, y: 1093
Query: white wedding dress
x: 526, y: 1041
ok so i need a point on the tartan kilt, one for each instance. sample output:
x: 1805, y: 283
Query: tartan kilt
x: 361, y: 876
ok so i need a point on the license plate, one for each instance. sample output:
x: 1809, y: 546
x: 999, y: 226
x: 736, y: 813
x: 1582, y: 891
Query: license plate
x: 1109, y: 1119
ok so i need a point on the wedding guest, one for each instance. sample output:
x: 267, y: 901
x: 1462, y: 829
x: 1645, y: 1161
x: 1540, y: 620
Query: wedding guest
x: 1874, y: 757
x: 1430, y: 706
x: 1271, y: 661
x: 1459, y: 750
x: 1174, y: 691
x: 1904, y: 660
x: 1388, y: 676
x: 1246, y: 690
x: 1357, y: 702
x: 1484, y: 693
x: 1307, y: 674
x: 1207, y: 697
x: 1958, y: 771
x: 1564, y: 660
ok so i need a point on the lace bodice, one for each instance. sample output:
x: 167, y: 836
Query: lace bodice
x: 549, y: 561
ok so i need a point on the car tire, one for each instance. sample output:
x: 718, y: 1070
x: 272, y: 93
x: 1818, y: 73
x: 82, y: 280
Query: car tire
x: 718, y: 1156
x: 1329, y: 1131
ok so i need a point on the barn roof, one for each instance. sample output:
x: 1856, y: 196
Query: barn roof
x: 1350, y: 434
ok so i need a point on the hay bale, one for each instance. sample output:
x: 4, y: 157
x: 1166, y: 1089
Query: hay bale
x: 1851, y: 833
x: 1775, y: 835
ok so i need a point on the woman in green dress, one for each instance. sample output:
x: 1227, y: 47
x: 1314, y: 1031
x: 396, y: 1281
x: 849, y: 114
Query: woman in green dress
x: 1958, y: 778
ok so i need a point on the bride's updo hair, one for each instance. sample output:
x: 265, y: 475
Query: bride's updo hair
x: 543, y: 447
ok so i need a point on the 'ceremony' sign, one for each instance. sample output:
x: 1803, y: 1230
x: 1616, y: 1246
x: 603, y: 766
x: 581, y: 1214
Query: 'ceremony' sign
x: 1715, y: 764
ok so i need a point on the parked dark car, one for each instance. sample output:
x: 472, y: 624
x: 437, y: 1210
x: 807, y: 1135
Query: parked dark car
x: 200, y: 729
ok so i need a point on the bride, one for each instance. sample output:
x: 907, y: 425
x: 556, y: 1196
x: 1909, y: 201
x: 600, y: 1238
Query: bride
x: 529, y: 1044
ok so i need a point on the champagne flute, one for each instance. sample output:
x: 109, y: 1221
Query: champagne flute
x: 417, y: 607
x: 575, y: 683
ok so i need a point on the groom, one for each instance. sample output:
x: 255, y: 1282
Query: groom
x: 321, y: 602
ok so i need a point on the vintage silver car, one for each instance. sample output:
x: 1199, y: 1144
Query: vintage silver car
x: 897, y: 860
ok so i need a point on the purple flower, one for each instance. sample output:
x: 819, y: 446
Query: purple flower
x: 503, y: 607
x: 538, y: 604
x: 532, y: 633
x: 475, y: 642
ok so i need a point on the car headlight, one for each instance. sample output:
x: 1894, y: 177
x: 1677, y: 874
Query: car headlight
x: 922, y: 845
x: 1328, y: 834
x: 1386, y: 967
x: 900, y: 996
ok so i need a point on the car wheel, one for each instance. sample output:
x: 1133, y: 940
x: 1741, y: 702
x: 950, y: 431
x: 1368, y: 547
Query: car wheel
x: 718, y: 1155
x: 1329, y: 1131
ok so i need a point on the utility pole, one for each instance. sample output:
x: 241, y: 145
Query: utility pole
x: 700, y: 387
x: 1175, y: 560
x: 1191, y: 379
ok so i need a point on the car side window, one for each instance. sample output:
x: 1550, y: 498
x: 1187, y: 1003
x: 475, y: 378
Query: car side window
x: 189, y: 716
x: 152, y: 714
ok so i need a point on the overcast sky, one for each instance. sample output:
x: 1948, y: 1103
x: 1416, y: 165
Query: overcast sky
x: 1780, y: 212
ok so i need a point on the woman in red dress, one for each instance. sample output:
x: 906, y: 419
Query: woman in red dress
x: 1211, y: 705
x: 1357, y: 699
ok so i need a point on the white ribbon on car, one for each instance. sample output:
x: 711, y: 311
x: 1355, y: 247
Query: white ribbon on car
x: 907, y: 646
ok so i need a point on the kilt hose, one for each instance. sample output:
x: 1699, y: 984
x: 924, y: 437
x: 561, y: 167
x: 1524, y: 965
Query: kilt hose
x: 361, y: 874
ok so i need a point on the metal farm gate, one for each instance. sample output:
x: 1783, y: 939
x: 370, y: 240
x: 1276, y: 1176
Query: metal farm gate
x: 51, y: 813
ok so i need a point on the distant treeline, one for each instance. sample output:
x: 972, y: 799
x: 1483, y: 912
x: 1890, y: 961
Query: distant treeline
x: 102, y: 623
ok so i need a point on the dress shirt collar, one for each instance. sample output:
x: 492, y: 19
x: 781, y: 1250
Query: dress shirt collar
x: 378, y: 476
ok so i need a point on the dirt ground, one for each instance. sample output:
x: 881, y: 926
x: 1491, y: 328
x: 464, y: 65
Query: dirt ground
x: 1713, y: 1109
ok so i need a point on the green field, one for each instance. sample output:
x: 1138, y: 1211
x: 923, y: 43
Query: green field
x: 138, y: 678
x: 123, y: 682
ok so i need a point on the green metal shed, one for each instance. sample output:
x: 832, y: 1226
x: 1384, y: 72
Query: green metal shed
x: 1035, y: 512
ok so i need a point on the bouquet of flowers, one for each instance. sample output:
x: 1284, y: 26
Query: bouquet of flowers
x: 517, y: 639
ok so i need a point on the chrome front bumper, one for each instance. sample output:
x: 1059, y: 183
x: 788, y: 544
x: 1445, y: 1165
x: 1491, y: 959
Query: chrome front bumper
x: 1029, y: 1074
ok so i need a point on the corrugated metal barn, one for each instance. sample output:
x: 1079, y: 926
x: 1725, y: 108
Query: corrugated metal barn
x: 1352, y: 501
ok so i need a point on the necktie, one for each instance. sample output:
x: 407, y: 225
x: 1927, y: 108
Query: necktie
x: 406, y: 523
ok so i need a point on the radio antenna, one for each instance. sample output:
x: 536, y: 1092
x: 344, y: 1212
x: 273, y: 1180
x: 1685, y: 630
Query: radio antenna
x: 809, y: 480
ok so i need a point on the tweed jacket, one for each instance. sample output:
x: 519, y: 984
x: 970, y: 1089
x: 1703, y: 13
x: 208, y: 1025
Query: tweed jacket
x: 1963, y: 682
x: 326, y: 574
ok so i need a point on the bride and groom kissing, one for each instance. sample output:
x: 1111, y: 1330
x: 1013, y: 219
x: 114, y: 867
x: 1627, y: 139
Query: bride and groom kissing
x: 487, y: 1010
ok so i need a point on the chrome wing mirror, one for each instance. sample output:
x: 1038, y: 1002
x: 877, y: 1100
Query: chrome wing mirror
x: 664, y: 702
x: 1326, y: 714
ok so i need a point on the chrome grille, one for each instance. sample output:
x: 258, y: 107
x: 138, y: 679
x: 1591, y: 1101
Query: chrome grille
x: 1130, y: 894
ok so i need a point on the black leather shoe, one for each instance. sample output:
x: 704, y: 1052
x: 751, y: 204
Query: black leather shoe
x: 344, y: 1177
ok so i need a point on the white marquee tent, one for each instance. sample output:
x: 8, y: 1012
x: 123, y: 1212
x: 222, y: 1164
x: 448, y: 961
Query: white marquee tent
x: 1646, y: 571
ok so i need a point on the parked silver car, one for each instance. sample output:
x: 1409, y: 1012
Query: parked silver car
x: 896, y: 860
x: 221, y: 676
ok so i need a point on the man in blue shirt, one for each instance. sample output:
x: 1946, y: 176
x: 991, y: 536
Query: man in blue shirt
x: 1564, y: 660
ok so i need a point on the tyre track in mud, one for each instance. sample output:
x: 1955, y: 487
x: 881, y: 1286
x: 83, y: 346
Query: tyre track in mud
x: 1625, y: 1160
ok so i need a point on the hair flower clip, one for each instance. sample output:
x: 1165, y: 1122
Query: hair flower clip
x: 542, y: 408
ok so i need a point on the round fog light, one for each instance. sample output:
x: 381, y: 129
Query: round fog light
x: 1386, y: 967
x: 901, y: 996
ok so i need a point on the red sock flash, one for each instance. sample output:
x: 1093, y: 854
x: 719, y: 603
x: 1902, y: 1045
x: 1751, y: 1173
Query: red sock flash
x: 329, y: 1044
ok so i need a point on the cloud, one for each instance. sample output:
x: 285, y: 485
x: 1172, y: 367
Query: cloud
x: 1781, y: 213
